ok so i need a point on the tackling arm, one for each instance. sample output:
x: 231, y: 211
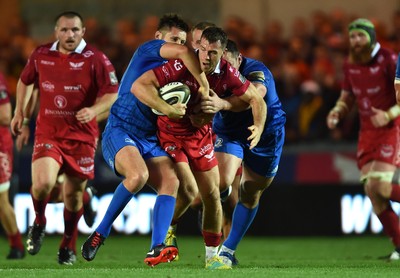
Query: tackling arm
x: 175, y: 51
x: 145, y: 88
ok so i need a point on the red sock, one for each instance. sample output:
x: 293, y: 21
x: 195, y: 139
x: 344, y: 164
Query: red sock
x: 212, y: 239
x: 395, y: 194
x: 390, y: 223
x: 71, y: 229
x: 40, y: 208
x: 85, y: 197
x: 15, y: 241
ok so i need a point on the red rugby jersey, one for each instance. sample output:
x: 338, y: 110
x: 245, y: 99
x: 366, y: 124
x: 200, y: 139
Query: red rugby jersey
x: 225, y: 80
x: 67, y: 83
x: 6, y: 142
x: 372, y: 85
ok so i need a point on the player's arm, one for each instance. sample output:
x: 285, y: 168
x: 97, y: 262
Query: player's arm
x: 145, y: 88
x: 23, y: 95
x: 235, y: 104
x: 259, y: 111
x: 175, y: 51
x: 25, y: 132
x: 102, y: 105
x: 340, y: 110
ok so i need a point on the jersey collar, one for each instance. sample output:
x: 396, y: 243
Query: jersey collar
x: 375, y: 50
x: 78, y: 49
x: 217, y: 68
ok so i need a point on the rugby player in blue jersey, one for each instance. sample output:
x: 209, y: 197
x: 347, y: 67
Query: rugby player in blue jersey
x: 130, y: 145
x: 232, y: 148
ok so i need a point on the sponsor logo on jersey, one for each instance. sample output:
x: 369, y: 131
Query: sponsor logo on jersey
x: 87, y: 170
x: 178, y: 65
x: 354, y: 71
x: 48, y: 86
x: 49, y: 63
x: 205, y: 149
x: 60, y: 101
x: 113, y: 78
x: 387, y: 151
x: 71, y: 88
x: 61, y: 113
x: 85, y: 160
x: 374, y: 70
x: 76, y: 66
x: 242, y: 78
x: 88, y: 53
x: 218, y: 143
x: 165, y: 71
x: 3, y: 94
x: 130, y: 141
x: 373, y: 90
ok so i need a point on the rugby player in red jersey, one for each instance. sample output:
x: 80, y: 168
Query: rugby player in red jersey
x: 7, y: 214
x: 189, y: 140
x: 76, y: 83
x: 368, y: 83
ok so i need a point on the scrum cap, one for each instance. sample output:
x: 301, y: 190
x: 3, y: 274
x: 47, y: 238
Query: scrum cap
x: 365, y: 26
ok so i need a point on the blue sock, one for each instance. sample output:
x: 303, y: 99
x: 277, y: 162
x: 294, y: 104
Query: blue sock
x: 241, y: 221
x: 163, y: 212
x: 118, y: 202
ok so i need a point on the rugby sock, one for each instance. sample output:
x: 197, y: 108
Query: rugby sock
x: 390, y: 223
x: 120, y: 199
x: 163, y: 212
x: 395, y: 194
x: 15, y: 241
x: 71, y: 220
x: 212, y: 239
x: 242, y: 219
x: 40, y: 208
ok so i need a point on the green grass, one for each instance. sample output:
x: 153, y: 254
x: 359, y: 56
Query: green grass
x: 122, y: 256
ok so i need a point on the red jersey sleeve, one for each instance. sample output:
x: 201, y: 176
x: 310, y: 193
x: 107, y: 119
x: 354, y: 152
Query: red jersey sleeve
x: 4, y: 98
x: 106, y: 78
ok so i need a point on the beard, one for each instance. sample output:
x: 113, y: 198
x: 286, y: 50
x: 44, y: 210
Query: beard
x: 360, y: 54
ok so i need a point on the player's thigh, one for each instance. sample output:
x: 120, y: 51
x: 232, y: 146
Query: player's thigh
x: 44, y: 172
x: 228, y: 165
x: 162, y: 175
x: 208, y: 182
x: 187, y: 181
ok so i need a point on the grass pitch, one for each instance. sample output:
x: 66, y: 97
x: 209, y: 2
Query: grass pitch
x: 122, y: 256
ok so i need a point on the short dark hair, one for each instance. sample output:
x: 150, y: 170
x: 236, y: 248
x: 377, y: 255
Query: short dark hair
x: 172, y: 20
x: 69, y: 14
x: 202, y: 25
x: 231, y: 47
x: 214, y: 34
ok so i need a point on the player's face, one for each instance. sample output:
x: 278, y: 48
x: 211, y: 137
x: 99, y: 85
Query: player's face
x: 69, y: 32
x: 358, y: 41
x: 174, y: 35
x: 196, y: 36
x: 234, y: 61
x: 209, y: 54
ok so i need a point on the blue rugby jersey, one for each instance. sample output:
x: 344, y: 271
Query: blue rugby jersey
x: 127, y: 111
x: 233, y: 123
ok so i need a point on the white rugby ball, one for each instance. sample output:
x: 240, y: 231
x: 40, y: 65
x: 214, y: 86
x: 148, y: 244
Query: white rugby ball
x: 174, y: 92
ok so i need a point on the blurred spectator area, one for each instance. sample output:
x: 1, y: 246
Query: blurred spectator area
x: 304, y: 46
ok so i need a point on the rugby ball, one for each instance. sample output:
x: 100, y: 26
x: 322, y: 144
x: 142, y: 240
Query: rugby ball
x: 174, y: 92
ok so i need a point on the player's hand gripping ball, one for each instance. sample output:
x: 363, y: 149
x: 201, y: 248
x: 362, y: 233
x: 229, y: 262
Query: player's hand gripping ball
x: 174, y: 92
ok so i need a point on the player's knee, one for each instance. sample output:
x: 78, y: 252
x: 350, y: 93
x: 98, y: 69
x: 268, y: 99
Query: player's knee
x: 378, y: 183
